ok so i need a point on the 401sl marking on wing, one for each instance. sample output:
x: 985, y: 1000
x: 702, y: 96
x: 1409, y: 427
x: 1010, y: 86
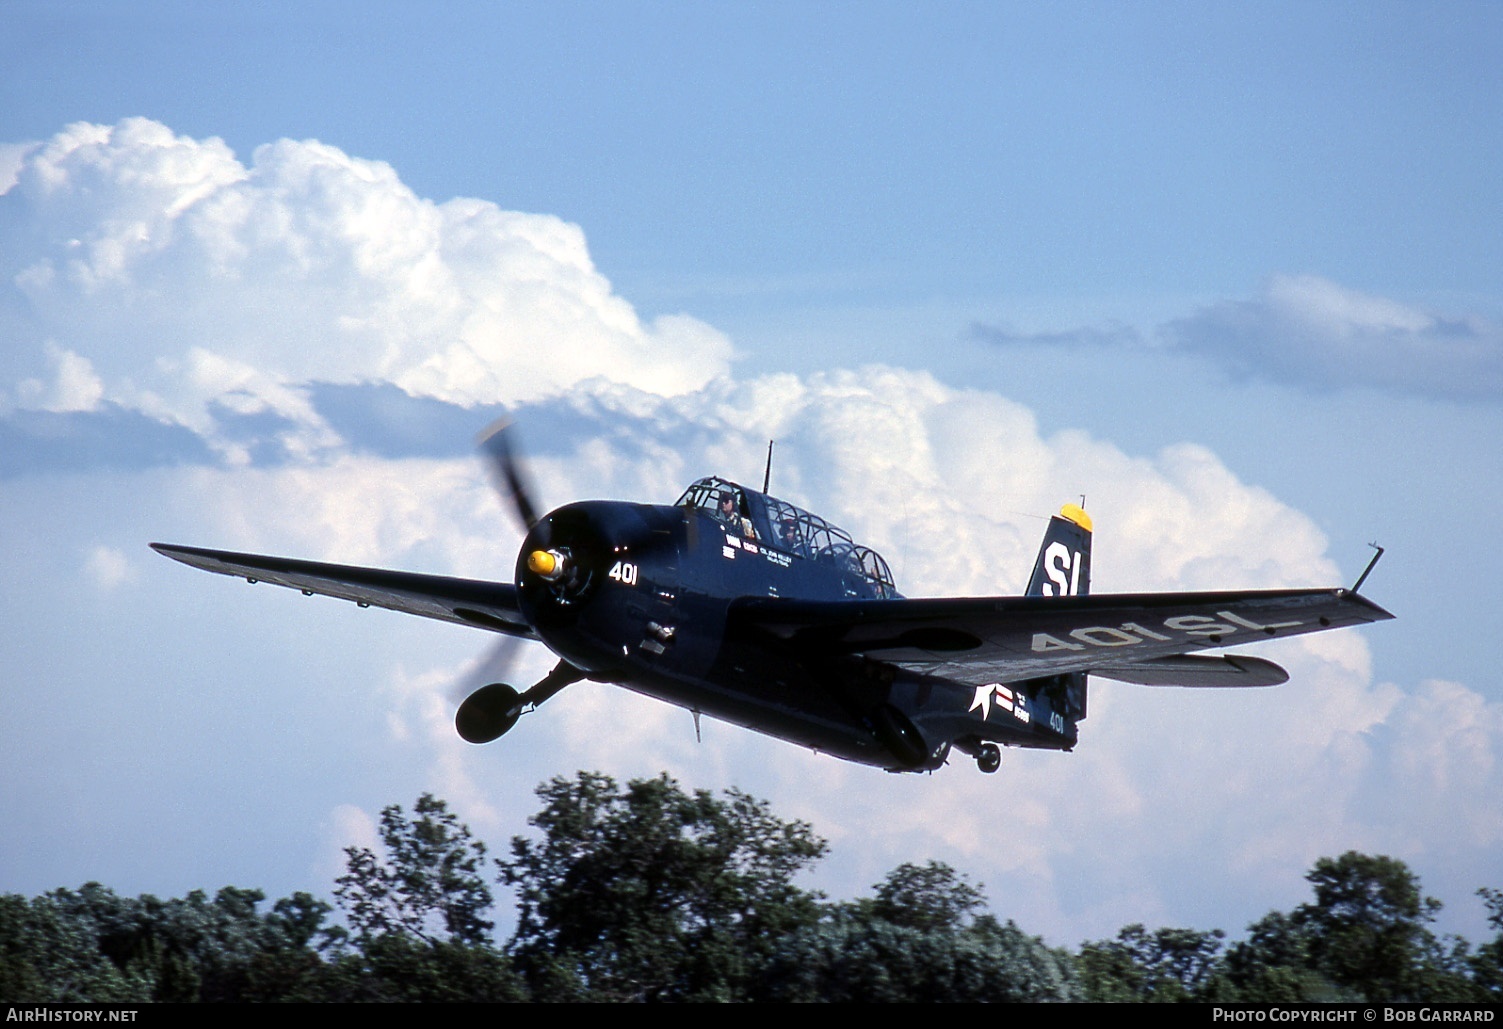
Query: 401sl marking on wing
x: 1129, y: 633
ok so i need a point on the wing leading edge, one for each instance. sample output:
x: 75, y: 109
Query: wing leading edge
x: 1144, y: 637
x: 487, y: 605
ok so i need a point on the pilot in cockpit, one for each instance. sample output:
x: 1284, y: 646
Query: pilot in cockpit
x: 789, y: 538
x: 727, y: 514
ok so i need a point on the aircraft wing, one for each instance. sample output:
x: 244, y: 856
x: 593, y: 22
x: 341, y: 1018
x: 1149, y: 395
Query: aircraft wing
x: 1138, y: 637
x: 487, y: 605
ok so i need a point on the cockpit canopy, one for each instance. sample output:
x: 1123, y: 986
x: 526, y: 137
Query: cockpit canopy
x: 778, y: 524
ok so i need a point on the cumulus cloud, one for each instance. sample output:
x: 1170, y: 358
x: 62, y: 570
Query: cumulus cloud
x: 159, y: 273
x: 73, y: 386
x: 11, y: 156
x: 1311, y: 332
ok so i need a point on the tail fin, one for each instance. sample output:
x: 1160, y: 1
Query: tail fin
x: 1063, y: 568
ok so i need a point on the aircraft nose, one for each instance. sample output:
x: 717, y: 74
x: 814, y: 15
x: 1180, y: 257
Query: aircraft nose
x: 560, y: 564
x: 569, y: 553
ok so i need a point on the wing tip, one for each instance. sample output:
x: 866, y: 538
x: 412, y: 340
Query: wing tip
x: 176, y: 551
x: 1379, y: 613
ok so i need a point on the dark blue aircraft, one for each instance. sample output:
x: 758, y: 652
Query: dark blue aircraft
x: 740, y: 606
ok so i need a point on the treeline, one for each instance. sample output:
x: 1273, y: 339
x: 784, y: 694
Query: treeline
x: 650, y: 893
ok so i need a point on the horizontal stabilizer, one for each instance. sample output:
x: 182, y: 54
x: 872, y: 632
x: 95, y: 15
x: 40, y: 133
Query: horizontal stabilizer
x: 1198, y: 670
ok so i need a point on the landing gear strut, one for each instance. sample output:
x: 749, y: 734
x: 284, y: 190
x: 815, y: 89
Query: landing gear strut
x: 490, y: 711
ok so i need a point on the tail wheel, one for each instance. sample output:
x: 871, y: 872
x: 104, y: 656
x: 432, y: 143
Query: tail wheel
x: 989, y: 758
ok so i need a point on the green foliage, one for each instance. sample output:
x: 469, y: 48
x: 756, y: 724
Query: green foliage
x: 931, y: 897
x: 1368, y: 931
x: 49, y: 956
x: 1487, y: 963
x: 919, y: 939
x: 396, y: 967
x: 94, y: 945
x: 1167, y: 965
x: 1365, y: 937
x: 1274, y: 966
x: 651, y: 893
x: 429, y: 881
x: 856, y: 956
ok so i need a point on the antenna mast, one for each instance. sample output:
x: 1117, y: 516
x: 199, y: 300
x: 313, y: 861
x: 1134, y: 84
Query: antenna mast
x: 767, y: 475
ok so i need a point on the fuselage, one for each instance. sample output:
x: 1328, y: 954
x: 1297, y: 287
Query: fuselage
x: 643, y: 597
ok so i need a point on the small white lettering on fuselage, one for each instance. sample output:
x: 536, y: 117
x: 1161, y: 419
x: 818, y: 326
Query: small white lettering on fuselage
x: 734, y: 544
x: 1005, y: 699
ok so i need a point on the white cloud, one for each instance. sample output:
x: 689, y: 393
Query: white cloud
x: 74, y: 386
x: 172, y: 278
x: 108, y: 567
x: 1312, y: 332
x: 11, y: 156
x: 1315, y: 334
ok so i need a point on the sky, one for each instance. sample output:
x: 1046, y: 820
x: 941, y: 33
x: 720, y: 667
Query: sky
x: 1230, y: 272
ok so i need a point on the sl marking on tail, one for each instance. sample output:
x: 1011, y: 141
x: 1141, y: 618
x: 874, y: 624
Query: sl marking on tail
x: 1062, y: 565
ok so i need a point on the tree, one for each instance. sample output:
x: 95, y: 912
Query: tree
x: 397, y: 967
x: 919, y: 939
x: 855, y: 956
x: 1274, y: 966
x: 1165, y: 965
x: 1487, y: 963
x: 652, y: 893
x: 92, y: 945
x: 48, y: 955
x: 428, y: 884
x: 1365, y: 937
x: 1368, y: 930
x: 927, y: 897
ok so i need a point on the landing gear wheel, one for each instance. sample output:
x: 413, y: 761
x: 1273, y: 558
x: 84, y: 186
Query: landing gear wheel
x: 989, y: 758
x: 487, y: 713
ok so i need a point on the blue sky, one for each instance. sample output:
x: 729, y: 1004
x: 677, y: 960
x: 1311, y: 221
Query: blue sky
x: 1232, y: 272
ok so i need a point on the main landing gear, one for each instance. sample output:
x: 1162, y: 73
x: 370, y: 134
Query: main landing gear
x: 987, y: 754
x: 490, y: 711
